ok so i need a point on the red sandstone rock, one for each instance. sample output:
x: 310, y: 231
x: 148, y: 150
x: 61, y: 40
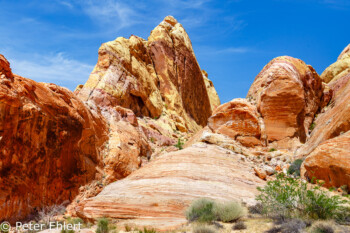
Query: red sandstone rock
x: 288, y: 94
x: 239, y: 120
x: 50, y: 144
x: 330, y: 162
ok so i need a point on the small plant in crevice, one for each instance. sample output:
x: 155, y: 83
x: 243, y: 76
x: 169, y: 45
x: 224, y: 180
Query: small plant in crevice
x: 272, y: 150
x: 179, y: 144
x: 312, y: 126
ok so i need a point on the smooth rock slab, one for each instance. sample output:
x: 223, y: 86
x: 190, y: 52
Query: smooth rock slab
x: 157, y: 195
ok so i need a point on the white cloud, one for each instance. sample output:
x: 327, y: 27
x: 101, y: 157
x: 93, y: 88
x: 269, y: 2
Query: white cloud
x: 110, y: 12
x: 56, y: 69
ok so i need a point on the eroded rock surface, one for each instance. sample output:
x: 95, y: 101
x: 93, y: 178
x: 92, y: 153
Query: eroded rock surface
x: 155, y: 77
x: 287, y: 93
x: 239, y: 120
x: 157, y: 194
x: 51, y: 143
x: 330, y: 162
x: 334, y: 119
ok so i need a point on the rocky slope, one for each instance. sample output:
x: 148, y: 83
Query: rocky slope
x: 51, y: 144
x: 157, y: 195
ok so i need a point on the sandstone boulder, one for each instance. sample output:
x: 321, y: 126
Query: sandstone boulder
x: 239, y: 120
x: 51, y: 143
x: 287, y: 93
x: 157, y: 194
x: 330, y: 162
x: 154, y: 77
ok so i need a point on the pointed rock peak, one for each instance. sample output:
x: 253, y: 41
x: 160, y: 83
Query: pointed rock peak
x: 170, y: 20
x: 5, y: 67
x: 345, y: 53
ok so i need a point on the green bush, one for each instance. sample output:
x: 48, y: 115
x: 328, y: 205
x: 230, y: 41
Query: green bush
x: 145, y: 230
x: 290, y: 197
x: 102, y: 225
x: 272, y: 150
x: 201, y: 210
x: 228, y: 211
x: 179, y: 144
x: 203, y: 229
x: 294, y: 168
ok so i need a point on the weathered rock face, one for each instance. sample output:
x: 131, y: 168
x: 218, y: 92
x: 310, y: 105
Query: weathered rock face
x: 154, y: 77
x: 338, y: 69
x: 288, y: 94
x: 50, y: 144
x: 334, y: 119
x: 213, y: 95
x: 157, y: 194
x: 330, y: 162
x: 239, y: 120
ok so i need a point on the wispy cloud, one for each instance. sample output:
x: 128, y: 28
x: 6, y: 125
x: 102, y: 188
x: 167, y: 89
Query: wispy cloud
x: 234, y: 50
x: 56, y: 68
x: 110, y: 12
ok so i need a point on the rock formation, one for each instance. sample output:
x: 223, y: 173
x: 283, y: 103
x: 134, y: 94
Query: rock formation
x: 330, y: 162
x: 327, y: 149
x: 51, y: 143
x: 239, y: 120
x: 157, y: 194
x: 287, y: 93
x: 156, y: 77
x: 339, y: 68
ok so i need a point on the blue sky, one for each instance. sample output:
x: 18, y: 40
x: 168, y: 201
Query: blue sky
x: 57, y: 41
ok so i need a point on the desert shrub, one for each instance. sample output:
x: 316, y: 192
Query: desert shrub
x: 320, y: 227
x: 293, y: 226
x: 272, y: 150
x: 145, y: 230
x: 290, y: 197
x: 256, y: 209
x: 201, y: 210
x: 179, y: 144
x: 228, y: 211
x: 127, y: 228
x: 47, y: 214
x: 240, y: 225
x: 294, y: 168
x: 102, y: 225
x: 203, y: 229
